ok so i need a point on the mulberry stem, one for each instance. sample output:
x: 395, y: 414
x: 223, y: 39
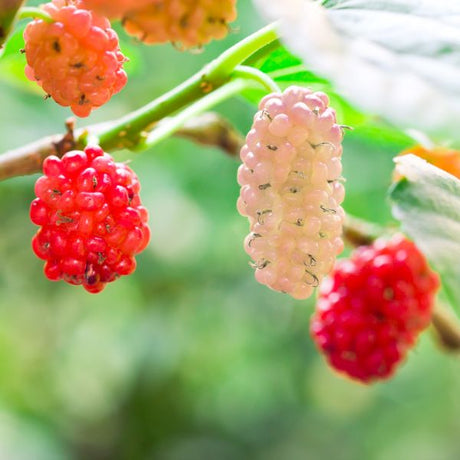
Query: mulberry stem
x: 130, y: 130
x: 169, y: 127
x: 250, y: 73
x: 35, y: 13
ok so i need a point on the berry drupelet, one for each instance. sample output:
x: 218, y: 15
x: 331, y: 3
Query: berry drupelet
x: 75, y: 58
x: 291, y: 190
x: 91, y: 218
x: 372, y: 308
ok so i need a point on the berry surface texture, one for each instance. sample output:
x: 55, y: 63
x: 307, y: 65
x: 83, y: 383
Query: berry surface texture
x: 185, y: 23
x: 75, y: 57
x: 291, y: 190
x: 91, y: 220
x: 114, y: 9
x: 372, y: 308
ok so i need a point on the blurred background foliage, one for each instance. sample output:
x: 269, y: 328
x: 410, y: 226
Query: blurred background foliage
x: 190, y: 358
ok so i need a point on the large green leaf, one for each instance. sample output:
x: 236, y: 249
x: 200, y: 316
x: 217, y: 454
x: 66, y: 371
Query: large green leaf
x: 396, y: 58
x: 287, y: 69
x: 427, y: 202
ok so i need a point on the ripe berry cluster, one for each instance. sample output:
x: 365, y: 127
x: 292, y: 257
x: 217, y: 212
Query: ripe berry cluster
x: 291, y: 190
x: 91, y: 217
x: 114, y: 9
x: 75, y: 58
x: 186, y: 23
x: 372, y: 308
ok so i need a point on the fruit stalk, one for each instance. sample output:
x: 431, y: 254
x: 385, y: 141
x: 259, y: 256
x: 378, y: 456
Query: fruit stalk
x: 130, y: 130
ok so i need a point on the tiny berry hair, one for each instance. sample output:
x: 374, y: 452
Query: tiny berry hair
x: 91, y: 219
x: 372, y: 308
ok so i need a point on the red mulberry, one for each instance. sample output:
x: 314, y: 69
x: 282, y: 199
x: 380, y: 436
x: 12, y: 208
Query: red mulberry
x: 372, y: 308
x: 291, y: 190
x: 76, y: 58
x: 91, y: 218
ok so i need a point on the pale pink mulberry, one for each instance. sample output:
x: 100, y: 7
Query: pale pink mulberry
x: 76, y: 58
x: 291, y: 190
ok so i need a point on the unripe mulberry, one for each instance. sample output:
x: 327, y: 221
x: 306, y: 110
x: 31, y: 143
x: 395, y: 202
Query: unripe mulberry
x: 114, y: 9
x: 186, y: 23
x: 91, y: 218
x: 291, y: 190
x: 76, y: 58
x: 372, y: 308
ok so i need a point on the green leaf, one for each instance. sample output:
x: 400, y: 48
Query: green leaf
x: 394, y: 58
x: 427, y: 202
x: 287, y: 69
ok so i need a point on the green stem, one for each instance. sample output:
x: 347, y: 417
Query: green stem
x: 250, y: 73
x: 222, y: 67
x: 168, y: 127
x: 259, y: 56
x: 130, y: 130
x: 35, y: 13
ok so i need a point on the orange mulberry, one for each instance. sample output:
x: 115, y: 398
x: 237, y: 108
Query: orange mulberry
x: 186, y: 23
x: 75, y: 58
x: 114, y: 9
x: 441, y: 157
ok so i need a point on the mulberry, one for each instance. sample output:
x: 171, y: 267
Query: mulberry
x: 291, y: 190
x: 114, y: 9
x: 91, y: 218
x: 76, y: 58
x: 186, y: 23
x: 372, y: 308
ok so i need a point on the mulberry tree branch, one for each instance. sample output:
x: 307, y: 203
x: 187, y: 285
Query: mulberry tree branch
x: 132, y: 130
x: 447, y: 329
x: 212, y: 129
x: 208, y: 129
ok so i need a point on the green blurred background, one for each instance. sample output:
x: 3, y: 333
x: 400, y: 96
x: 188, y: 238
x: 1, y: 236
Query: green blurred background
x: 190, y: 358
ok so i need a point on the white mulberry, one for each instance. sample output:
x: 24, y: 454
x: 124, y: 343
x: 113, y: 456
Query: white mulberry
x: 291, y: 190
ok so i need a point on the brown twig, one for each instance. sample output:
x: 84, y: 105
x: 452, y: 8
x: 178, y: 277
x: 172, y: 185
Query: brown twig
x: 447, y: 329
x: 358, y: 232
x: 28, y: 159
x: 212, y: 129
x: 8, y: 11
x: 207, y: 129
